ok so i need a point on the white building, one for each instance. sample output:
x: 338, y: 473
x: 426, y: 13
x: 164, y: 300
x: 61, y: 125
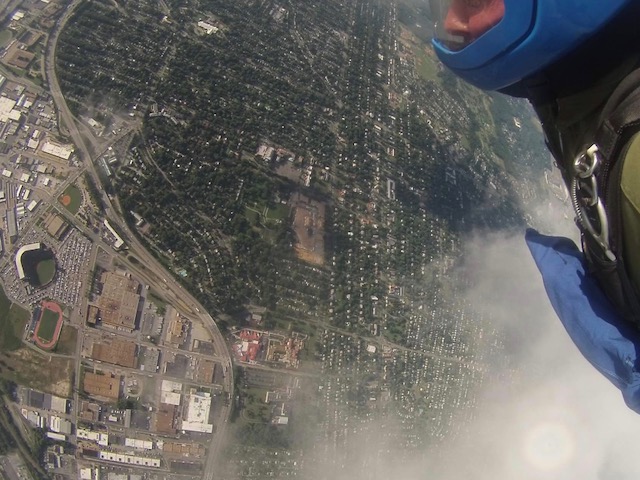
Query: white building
x: 129, y: 459
x: 57, y: 149
x: 98, y: 437
x: 32, y: 205
x: 138, y: 444
x: 207, y: 27
x: 8, y: 110
x: 170, y: 392
x: 197, y: 415
x: 59, y: 425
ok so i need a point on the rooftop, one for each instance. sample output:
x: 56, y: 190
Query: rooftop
x: 102, y: 385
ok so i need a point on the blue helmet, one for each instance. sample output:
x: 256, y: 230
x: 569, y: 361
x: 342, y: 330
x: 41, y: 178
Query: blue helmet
x: 493, y: 44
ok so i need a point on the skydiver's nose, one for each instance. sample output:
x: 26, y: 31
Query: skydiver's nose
x: 466, y: 20
x: 457, y: 19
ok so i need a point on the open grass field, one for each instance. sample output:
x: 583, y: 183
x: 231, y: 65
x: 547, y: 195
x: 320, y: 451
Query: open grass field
x: 5, y: 37
x: 279, y: 212
x: 46, y: 271
x: 71, y: 199
x: 252, y: 216
x: 262, y: 215
x: 13, y: 319
x: 67, y: 341
x: 155, y: 298
x: 254, y: 410
x: 426, y: 65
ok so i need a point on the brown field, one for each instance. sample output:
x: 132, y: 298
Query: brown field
x: 290, y: 171
x: 308, y: 224
x: 67, y: 342
x: 36, y: 370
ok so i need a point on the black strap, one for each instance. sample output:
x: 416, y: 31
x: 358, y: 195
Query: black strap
x: 624, y: 117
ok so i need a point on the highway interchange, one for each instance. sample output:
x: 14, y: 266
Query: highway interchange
x: 148, y: 270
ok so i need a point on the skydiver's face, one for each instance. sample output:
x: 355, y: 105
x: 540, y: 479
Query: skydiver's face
x: 467, y: 20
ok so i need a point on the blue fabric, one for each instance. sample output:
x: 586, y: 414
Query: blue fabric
x: 611, y: 344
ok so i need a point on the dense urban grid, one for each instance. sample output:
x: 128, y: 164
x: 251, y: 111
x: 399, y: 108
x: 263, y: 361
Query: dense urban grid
x: 233, y: 234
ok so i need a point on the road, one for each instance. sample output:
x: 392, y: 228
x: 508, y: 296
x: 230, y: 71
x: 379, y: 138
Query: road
x: 152, y: 271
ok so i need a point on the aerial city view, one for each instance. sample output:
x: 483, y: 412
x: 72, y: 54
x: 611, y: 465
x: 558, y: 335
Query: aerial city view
x: 233, y: 238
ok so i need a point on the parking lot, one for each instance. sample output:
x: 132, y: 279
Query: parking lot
x: 72, y: 269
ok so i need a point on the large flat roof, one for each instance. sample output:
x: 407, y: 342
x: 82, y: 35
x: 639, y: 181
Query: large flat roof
x: 119, y: 300
x: 115, y: 351
x: 106, y: 385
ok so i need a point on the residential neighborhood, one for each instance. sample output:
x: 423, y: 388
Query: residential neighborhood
x: 233, y: 237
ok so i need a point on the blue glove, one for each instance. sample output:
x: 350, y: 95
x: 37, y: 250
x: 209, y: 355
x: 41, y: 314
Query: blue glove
x: 611, y: 344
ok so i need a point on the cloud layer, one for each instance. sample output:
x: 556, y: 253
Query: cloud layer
x: 555, y: 417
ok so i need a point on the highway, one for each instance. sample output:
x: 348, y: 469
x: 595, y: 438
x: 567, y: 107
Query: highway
x: 149, y: 270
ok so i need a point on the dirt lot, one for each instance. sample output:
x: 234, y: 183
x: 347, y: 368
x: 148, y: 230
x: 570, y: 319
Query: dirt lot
x: 308, y: 223
x: 36, y: 370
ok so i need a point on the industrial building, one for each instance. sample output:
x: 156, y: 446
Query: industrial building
x: 55, y: 226
x: 196, y: 418
x: 57, y: 150
x: 118, y: 303
x: 115, y: 351
x: 102, y: 385
x: 42, y: 401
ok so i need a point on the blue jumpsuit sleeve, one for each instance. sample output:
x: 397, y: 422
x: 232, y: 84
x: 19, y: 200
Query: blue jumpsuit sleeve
x: 608, y: 342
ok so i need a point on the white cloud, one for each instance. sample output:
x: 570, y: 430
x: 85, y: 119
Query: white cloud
x: 556, y: 418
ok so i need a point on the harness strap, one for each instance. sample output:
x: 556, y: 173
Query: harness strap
x: 618, y: 122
